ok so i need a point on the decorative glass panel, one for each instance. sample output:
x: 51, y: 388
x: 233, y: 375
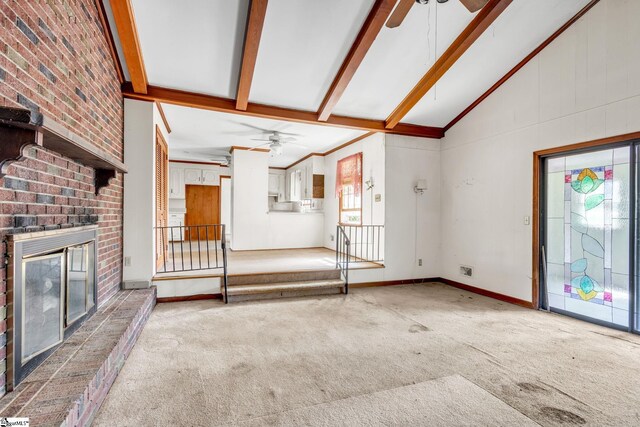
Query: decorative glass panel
x: 42, y: 304
x: 587, y: 241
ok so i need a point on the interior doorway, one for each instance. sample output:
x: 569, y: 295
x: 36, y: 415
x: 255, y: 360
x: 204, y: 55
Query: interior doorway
x: 588, y: 245
x: 203, y: 208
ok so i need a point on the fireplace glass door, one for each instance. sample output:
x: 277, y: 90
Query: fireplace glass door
x: 43, y: 278
x: 80, y: 281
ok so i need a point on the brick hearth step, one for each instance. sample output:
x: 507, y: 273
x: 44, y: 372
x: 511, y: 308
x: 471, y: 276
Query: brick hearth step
x: 68, y: 388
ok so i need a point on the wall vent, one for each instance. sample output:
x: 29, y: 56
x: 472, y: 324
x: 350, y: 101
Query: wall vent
x: 465, y: 270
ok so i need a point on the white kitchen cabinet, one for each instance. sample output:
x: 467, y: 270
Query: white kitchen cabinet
x: 300, y: 178
x: 193, y: 176
x: 308, y: 181
x: 201, y: 177
x: 277, y: 185
x: 210, y: 177
x: 281, y: 187
x: 273, y: 183
x: 176, y: 182
x: 177, y: 221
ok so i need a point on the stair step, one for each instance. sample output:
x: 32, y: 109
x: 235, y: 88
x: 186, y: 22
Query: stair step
x: 278, y: 278
x: 256, y: 289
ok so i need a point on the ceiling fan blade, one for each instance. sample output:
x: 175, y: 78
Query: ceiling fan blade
x: 256, y: 139
x: 288, y: 133
x: 400, y: 12
x: 254, y: 127
x: 474, y: 5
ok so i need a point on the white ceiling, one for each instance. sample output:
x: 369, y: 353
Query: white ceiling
x: 522, y: 27
x: 400, y: 57
x: 196, y: 45
x: 302, y: 47
x: 206, y: 135
x: 193, y: 45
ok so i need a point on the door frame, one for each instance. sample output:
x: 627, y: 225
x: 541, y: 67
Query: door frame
x: 161, y: 202
x: 629, y: 139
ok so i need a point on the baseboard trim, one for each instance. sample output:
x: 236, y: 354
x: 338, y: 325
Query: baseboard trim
x: 189, y: 298
x: 486, y: 293
x: 452, y: 283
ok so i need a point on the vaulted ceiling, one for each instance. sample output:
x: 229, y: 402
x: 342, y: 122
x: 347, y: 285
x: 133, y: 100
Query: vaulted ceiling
x: 329, y: 62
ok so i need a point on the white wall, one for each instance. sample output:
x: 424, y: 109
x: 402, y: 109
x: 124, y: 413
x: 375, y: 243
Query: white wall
x: 373, y: 166
x: 291, y: 230
x: 225, y: 208
x: 140, y: 120
x: 412, y: 220
x: 249, y: 200
x: 583, y: 86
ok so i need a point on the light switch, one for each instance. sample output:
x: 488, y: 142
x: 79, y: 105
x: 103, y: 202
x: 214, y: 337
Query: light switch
x: 527, y: 220
x: 378, y: 197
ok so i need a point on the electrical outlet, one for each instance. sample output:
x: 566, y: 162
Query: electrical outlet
x: 420, y: 262
x: 127, y: 261
x: 527, y: 220
x: 332, y: 237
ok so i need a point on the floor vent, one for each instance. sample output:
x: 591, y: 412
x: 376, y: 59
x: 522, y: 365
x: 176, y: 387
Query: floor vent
x: 466, y: 271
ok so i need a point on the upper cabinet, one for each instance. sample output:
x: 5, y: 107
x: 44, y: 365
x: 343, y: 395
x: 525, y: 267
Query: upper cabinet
x: 210, y: 177
x: 176, y: 182
x: 300, y: 178
x: 198, y: 176
x: 192, y: 176
x: 181, y: 174
x: 277, y: 185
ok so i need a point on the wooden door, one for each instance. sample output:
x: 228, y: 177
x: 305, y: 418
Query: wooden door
x: 162, y: 196
x: 203, y: 208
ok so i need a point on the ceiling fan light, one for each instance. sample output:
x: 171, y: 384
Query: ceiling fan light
x: 276, y: 148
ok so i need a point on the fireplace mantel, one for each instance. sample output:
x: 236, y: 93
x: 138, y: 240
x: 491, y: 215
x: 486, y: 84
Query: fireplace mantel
x: 21, y: 128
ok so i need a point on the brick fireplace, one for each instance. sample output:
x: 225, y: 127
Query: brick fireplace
x: 51, y: 278
x: 55, y: 61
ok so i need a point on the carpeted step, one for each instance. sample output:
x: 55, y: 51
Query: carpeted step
x: 294, y: 276
x: 258, y: 291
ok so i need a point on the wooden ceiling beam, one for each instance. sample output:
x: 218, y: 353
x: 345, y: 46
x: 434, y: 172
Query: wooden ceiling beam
x: 126, y: 25
x: 469, y: 35
x: 163, y: 116
x: 522, y: 63
x: 225, y: 105
x: 373, y: 24
x: 253, y: 34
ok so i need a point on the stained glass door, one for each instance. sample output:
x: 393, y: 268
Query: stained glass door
x: 586, y: 235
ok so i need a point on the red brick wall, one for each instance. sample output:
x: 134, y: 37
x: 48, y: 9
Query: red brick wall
x: 54, y: 58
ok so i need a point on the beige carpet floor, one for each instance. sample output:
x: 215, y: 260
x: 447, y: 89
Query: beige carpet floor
x: 399, y: 355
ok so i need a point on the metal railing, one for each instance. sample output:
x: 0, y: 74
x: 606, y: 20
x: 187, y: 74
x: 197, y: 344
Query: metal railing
x: 192, y: 248
x: 358, y: 244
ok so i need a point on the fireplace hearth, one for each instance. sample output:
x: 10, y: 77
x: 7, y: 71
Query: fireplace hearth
x: 51, y: 281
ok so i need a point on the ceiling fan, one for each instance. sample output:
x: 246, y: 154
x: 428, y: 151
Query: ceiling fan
x: 404, y: 6
x: 276, y: 142
x: 211, y: 154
